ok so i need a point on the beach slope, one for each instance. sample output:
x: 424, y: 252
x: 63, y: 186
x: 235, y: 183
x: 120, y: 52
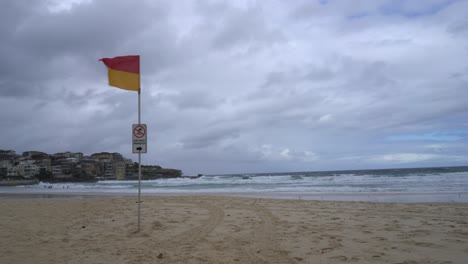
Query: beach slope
x: 230, y: 230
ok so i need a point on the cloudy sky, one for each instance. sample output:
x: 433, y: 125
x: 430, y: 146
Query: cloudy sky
x: 241, y: 86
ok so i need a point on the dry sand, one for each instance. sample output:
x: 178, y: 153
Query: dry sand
x: 231, y: 230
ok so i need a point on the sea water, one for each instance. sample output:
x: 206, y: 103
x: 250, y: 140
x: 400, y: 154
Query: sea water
x: 446, y: 184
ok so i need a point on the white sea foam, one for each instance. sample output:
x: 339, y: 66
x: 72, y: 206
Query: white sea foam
x: 293, y: 184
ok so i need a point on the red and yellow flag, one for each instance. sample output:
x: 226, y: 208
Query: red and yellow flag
x: 124, y: 72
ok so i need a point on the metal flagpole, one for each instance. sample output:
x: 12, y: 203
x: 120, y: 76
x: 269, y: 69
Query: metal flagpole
x: 139, y: 165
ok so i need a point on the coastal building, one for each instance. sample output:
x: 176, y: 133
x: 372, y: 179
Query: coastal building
x: 11, y: 166
x: 3, y: 172
x: 27, y: 170
x: 90, y: 167
x: 68, y: 154
x: 56, y: 170
x: 6, y: 163
x: 77, y: 155
x: 24, y: 160
x: 119, y: 170
x: 104, y: 160
x: 128, y: 162
x: 65, y: 165
x: 62, y: 155
x: 63, y: 168
x: 12, y: 172
x: 112, y: 165
x: 102, y: 156
x: 7, y: 152
x: 117, y: 156
x: 76, y: 170
x: 108, y: 171
x: 32, y: 153
x: 43, y: 162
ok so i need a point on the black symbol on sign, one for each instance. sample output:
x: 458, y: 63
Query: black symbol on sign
x: 139, y: 132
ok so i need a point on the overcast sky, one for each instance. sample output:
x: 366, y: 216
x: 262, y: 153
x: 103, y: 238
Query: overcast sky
x: 241, y: 86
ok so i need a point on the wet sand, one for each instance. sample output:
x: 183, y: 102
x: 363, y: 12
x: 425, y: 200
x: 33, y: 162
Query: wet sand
x: 202, y: 229
x: 59, y: 193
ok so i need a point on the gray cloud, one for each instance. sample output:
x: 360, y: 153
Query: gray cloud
x: 239, y: 86
x: 245, y: 27
x: 203, y: 139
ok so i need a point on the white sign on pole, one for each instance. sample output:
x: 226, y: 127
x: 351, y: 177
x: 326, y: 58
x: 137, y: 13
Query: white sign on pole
x: 139, y: 133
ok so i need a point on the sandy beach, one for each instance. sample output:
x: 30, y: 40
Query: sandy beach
x: 202, y: 229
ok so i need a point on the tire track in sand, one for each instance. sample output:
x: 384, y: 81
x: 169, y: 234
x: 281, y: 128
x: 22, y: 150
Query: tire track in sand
x: 188, y: 240
x: 265, y: 248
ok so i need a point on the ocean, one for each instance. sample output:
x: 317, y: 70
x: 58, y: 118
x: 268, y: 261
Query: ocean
x: 442, y: 184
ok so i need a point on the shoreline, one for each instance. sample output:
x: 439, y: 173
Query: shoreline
x: 400, y: 197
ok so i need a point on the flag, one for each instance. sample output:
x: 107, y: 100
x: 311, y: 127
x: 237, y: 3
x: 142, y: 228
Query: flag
x: 124, y: 72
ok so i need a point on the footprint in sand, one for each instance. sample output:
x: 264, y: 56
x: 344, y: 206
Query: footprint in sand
x: 378, y: 255
x: 326, y: 250
x: 419, y: 232
x: 341, y: 258
x: 381, y: 238
x: 425, y: 244
x: 156, y: 225
x: 359, y: 240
